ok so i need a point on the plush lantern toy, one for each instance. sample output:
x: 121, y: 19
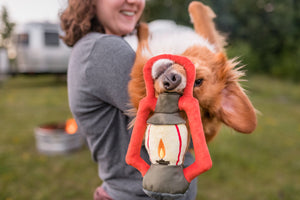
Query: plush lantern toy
x: 166, y: 135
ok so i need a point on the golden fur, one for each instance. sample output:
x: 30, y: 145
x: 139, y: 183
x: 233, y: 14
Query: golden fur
x: 221, y: 98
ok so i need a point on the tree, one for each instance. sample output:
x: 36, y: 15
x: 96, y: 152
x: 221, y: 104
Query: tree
x: 168, y: 9
x: 271, y: 30
x: 6, y: 28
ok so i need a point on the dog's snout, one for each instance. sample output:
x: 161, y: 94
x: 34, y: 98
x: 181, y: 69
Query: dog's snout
x: 171, y: 81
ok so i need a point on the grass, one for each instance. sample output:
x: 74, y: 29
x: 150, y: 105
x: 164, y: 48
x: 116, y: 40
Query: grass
x: 25, y: 103
x: 263, y: 165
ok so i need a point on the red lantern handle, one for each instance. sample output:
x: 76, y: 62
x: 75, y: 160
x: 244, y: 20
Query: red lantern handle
x: 203, y: 160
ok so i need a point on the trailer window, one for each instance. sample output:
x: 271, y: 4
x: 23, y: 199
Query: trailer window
x: 23, y: 39
x: 51, y: 39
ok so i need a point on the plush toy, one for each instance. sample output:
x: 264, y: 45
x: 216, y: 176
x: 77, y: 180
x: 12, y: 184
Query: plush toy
x: 165, y: 133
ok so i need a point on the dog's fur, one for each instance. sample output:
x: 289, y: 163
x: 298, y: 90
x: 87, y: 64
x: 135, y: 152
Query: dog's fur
x: 220, y: 96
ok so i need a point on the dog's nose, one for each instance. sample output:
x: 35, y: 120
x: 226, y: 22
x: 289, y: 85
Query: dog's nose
x: 171, y: 81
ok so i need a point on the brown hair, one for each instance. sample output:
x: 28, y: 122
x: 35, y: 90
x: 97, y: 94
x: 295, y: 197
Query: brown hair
x: 78, y: 19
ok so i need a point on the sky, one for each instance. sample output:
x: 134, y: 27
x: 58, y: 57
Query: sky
x: 22, y: 11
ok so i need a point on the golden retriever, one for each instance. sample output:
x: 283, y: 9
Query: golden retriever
x: 221, y: 98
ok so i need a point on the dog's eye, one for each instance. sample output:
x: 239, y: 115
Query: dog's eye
x: 198, y: 82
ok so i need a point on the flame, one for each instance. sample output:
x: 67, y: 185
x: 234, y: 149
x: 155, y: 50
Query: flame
x: 71, y: 126
x: 161, y: 149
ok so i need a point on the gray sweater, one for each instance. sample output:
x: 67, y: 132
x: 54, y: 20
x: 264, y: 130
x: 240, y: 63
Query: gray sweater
x: 98, y: 75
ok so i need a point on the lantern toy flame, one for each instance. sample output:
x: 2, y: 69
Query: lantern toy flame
x: 161, y: 149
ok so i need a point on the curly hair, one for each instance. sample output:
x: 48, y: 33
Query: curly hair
x: 78, y: 19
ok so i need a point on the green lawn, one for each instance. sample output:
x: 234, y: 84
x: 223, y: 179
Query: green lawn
x: 263, y: 165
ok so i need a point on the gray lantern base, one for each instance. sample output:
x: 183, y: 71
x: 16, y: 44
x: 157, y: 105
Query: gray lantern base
x: 165, y: 182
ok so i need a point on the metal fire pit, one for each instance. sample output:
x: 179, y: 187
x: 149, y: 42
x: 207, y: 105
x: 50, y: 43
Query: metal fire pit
x: 52, y: 139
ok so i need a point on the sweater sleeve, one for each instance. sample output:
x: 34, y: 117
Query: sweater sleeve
x: 108, y: 70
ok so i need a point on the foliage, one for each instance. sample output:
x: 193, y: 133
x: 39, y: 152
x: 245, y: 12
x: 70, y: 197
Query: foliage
x: 271, y: 28
x: 167, y: 9
x: 6, y: 28
x: 266, y: 32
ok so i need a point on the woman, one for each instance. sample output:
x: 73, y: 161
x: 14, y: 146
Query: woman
x: 98, y: 75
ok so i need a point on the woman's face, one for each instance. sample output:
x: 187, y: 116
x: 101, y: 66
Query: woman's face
x: 119, y: 17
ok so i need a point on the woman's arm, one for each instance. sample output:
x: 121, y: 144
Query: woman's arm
x: 108, y: 70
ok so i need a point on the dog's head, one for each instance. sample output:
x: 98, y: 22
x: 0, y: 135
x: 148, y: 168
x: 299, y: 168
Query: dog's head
x: 220, y: 96
x: 216, y: 87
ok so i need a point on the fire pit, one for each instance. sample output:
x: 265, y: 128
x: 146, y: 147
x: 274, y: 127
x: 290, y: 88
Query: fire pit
x: 58, y: 138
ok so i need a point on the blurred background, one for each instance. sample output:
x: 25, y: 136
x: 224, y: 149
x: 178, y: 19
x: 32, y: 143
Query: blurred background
x: 264, y: 34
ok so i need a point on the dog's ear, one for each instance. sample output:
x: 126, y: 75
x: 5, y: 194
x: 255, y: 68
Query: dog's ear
x: 202, y: 18
x: 143, y: 34
x: 236, y: 109
x: 136, y: 86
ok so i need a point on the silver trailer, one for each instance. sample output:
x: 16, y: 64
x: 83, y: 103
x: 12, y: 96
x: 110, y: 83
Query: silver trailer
x: 40, y: 50
x: 4, y: 64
